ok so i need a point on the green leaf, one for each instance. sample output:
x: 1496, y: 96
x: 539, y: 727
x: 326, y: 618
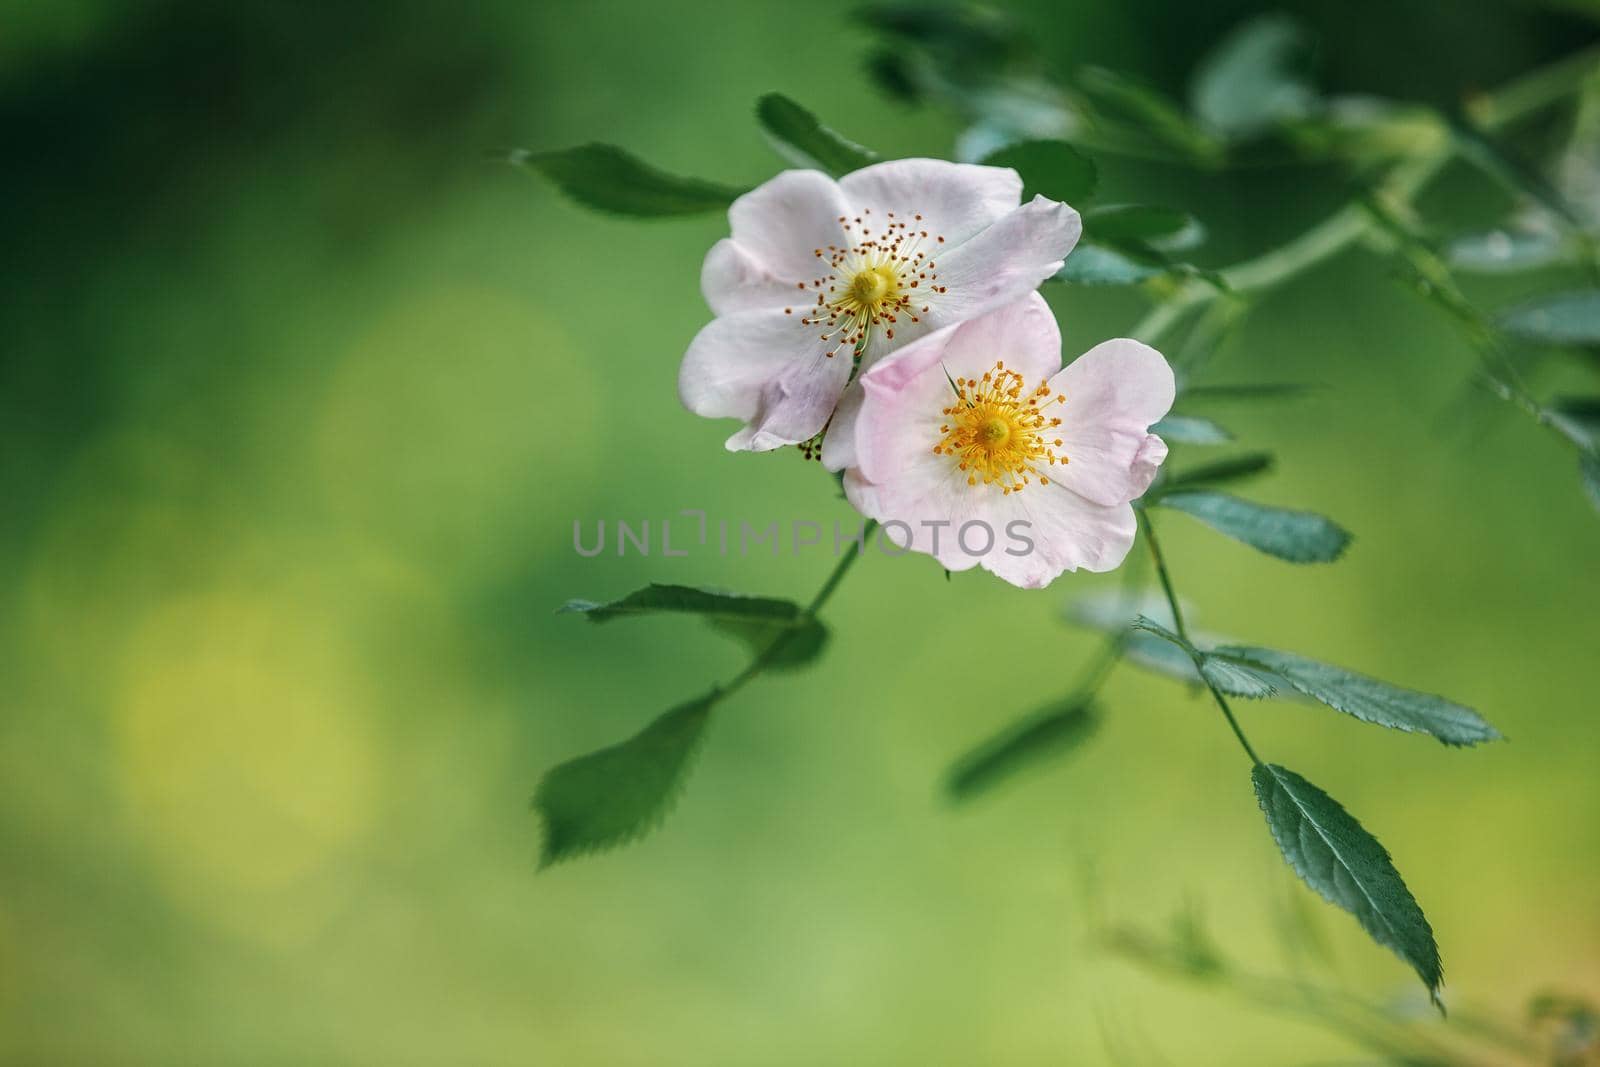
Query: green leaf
x: 1160, y: 656
x: 1589, y: 469
x: 1519, y: 176
x: 1559, y: 319
x: 1295, y: 536
x: 1092, y: 264
x: 1238, y: 679
x: 1153, y: 646
x: 1049, y: 168
x: 1140, y: 223
x: 621, y: 793
x: 1234, y: 679
x: 1336, y: 856
x: 801, y: 642
x: 756, y: 621
x: 804, y: 141
x: 1504, y: 251
x: 1151, y: 626
x: 606, y: 178
x: 1150, y: 111
x: 1046, y: 733
x: 1191, y: 430
x: 658, y: 598
x: 1366, y: 698
x: 1255, y: 78
x: 1219, y: 472
x: 1577, y: 418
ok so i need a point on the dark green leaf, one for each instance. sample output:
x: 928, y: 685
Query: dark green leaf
x: 1589, y: 469
x: 1049, y: 168
x: 1148, y: 110
x: 1561, y: 319
x: 1255, y: 78
x: 1092, y: 264
x: 657, y: 598
x: 1338, y: 858
x: 1119, y: 223
x: 802, y: 641
x: 605, y: 177
x: 1295, y: 536
x: 1368, y: 699
x: 1578, y: 419
x: 1220, y: 472
x: 1191, y: 430
x: 1046, y: 733
x: 617, y: 794
x: 1504, y: 251
x: 804, y: 141
x: 756, y: 621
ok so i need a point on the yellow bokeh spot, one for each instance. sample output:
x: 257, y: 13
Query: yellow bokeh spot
x: 245, y: 754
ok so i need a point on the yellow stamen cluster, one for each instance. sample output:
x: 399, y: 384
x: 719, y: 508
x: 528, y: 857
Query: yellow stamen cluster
x: 883, y: 276
x: 999, y: 433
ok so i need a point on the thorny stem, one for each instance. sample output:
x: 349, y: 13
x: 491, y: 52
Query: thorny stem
x: 1183, y: 632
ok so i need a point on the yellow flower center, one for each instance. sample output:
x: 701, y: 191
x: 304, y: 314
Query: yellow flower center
x: 1000, y: 433
x: 873, y: 285
x: 884, y: 277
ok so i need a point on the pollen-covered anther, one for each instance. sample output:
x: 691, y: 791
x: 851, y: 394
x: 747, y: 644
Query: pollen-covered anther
x: 995, y: 430
x: 869, y: 284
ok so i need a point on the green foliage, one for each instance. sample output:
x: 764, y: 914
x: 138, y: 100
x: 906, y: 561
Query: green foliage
x: 775, y: 628
x: 1338, y: 858
x: 1295, y: 536
x: 1218, y: 472
x: 1050, y: 168
x: 1149, y: 111
x: 804, y: 141
x: 1047, y: 733
x: 660, y: 598
x: 1504, y: 251
x: 1589, y: 470
x: 1191, y: 430
x: 1187, y: 662
x: 1141, y: 224
x: 606, y: 178
x: 782, y: 645
x: 1577, y: 418
x: 618, y: 794
x: 1255, y: 78
x: 1366, y: 698
x: 1559, y: 319
x: 1124, y: 244
x: 1092, y: 264
x: 1237, y: 679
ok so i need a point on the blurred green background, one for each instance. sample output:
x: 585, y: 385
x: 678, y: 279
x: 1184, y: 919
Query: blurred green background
x: 301, y: 395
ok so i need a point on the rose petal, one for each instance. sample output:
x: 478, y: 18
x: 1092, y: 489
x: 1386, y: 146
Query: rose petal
x: 908, y: 391
x: 766, y: 368
x: 1005, y: 261
x: 955, y: 200
x: 777, y: 228
x: 1114, y: 392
